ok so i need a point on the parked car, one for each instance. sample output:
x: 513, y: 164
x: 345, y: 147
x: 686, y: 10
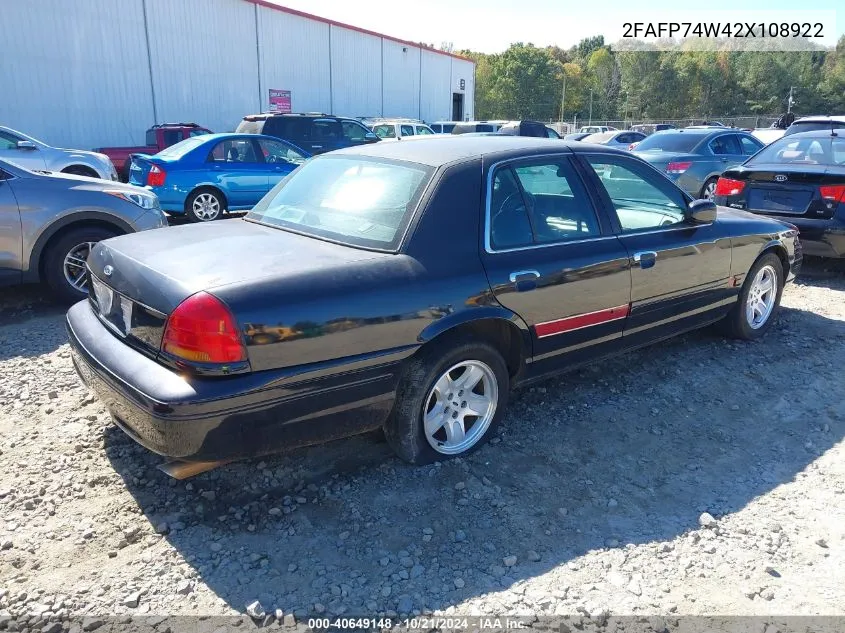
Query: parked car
x: 596, y: 129
x: 527, y: 128
x: 206, y: 176
x: 157, y: 138
x: 576, y: 136
x: 811, y: 123
x: 619, y: 139
x: 800, y: 179
x: 695, y: 157
x: 342, y: 308
x: 315, y: 132
x: 399, y: 128
x: 552, y: 133
x: 30, y: 153
x: 651, y: 128
x: 443, y: 127
x: 49, y: 222
x: 467, y: 127
x: 767, y: 135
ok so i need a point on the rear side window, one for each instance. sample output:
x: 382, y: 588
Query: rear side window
x: 233, y: 151
x: 447, y: 128
x: 725, y: 144
x: 537, y: 203
x: 292, y: 129
x: 151, y: 137
x: 421, y: 129
x: 171, y: 137
x: 407, y: 130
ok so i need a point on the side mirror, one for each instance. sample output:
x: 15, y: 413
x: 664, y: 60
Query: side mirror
x: 701, y: 212
x: 26, y: 145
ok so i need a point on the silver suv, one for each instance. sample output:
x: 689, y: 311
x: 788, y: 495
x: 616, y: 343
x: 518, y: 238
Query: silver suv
x: 30, y: 153
x: 49, y: 222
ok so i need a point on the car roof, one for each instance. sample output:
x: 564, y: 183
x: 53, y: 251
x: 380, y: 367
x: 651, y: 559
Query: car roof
x: 825, y: 133
x: 445, y: 149
x: 820, y: 119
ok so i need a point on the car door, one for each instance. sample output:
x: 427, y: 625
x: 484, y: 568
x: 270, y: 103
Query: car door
x: 235, y: 166
x: 27, y: 157
x: 11, y: 241
x: 280, y: 159
x: 680, y: 271
x: 551, y: 258
x: 727, y: 150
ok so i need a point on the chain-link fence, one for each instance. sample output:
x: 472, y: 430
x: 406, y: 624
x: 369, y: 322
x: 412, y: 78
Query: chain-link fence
x: 746, y: 122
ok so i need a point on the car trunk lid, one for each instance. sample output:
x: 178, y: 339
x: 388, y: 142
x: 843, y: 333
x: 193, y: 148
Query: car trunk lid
x: 137, y: 280
x: 788, y: 190
x: 139, y: 168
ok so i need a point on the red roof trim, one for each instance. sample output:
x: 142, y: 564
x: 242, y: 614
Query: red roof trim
x: 302, y: 14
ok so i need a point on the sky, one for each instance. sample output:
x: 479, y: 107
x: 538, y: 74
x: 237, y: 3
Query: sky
x: 489, y: 26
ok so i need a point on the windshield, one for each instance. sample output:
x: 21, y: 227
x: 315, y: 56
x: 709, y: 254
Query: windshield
x: 357, y: 201
x: 825, y: 150
x: 182, y: 147
x: 669, y: 142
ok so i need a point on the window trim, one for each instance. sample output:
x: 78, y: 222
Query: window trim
x: 664, y: 184
x: 509, y: 162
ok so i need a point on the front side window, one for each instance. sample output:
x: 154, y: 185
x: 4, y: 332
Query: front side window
x: 407, y: 130
x: 640, y: 202
x: 357, y: 201
x: 421, y: 130
x: 354, y: 131
x: 233, y: 151
x: 277, y: 152
x: 537, y: 203
x: 750, y: 145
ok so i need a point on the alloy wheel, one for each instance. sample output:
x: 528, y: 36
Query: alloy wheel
x: 761, y: 297
x: 460, y: 407
x: 206, y: 207
x: 74, y: 265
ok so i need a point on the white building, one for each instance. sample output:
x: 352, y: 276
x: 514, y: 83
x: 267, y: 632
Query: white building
x: 89, y: 73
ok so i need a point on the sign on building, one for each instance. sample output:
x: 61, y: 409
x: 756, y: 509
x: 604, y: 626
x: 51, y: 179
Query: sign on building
x: 280, y: 100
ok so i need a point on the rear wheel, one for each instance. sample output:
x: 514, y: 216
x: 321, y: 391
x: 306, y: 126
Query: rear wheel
x: 709, y: 189
x: 205, y: 205
x: 64, y: 262
x: 758, y: 301
x: 81, y: 170
x: 448, y: 402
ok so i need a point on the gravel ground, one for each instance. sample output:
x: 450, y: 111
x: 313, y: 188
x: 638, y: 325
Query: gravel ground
x: 699, y: 476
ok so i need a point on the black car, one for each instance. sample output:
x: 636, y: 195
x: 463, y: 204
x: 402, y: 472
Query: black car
x: 314, y: 131
x: 409, y: 286
x: 798, y: 178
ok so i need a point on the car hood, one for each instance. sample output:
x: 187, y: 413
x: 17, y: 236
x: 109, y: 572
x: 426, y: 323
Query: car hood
x: 87, y: 183
x: 162, y: 268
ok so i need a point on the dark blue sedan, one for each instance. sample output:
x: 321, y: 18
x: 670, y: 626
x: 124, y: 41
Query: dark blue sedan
x: 204, y: 176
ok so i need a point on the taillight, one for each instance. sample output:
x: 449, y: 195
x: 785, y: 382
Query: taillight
x: 728, y: 187
x: 678, y: 168
x: 156, y: 176
x: 202, y: 330
x: 833, y: 193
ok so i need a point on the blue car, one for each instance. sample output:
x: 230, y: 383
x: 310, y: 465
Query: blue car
x: 204, y: 176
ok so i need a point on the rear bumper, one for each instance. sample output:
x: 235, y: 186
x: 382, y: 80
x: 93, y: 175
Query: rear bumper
x: 227, y: 418
x: 821, y: 238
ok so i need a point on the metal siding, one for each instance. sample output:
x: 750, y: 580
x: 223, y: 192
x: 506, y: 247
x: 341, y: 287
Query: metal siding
x: 74, y: 74
x: 464, y: 70
x: 401, y: 79
x: 203, y: 55
x: 356, y: 73
x: 294, y: 56
x: 436, y: 91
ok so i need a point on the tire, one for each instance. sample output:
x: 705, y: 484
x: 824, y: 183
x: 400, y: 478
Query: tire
x: 81, y: 170
x: 738, y: 322
x: 54, y: 262
x: 405, y: 428
x: 213, y: 202
x: 710, y: 183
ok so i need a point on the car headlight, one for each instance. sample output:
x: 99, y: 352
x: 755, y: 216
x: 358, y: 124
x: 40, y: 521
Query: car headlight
x: 145, y: 201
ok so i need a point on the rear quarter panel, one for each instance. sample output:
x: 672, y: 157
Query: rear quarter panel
x: 751, y: 235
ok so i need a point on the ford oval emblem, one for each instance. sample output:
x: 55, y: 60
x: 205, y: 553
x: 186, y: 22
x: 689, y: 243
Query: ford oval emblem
x: 108, y: 269
x: 780, y: 178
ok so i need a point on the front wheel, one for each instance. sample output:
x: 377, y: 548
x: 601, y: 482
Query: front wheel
x: 64, y: 262
x: 758, y: 301
x: 448, y: 402
x: 205, y: 205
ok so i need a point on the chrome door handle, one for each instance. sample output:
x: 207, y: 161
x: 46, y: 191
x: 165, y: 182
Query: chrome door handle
x: 646, y: 259
x: 524, y: 275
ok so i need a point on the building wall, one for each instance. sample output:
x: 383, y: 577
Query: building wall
x: 91, y: 73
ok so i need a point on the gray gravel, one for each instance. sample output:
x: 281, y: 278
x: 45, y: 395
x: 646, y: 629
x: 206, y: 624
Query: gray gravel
x: 699, y: 476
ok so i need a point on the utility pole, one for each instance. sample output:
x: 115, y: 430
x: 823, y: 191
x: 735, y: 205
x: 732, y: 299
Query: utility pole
x: 791, y: 101
x: 591, y: 107
x: 625, y: 115
x: 563, y: 96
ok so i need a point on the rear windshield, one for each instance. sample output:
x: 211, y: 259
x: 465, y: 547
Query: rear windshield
x: 182, y: 147
x: 824, y: 150
x: 250, y: 127
x: 357, y: 201
x: 669, y: 142
x: 598, y: 138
